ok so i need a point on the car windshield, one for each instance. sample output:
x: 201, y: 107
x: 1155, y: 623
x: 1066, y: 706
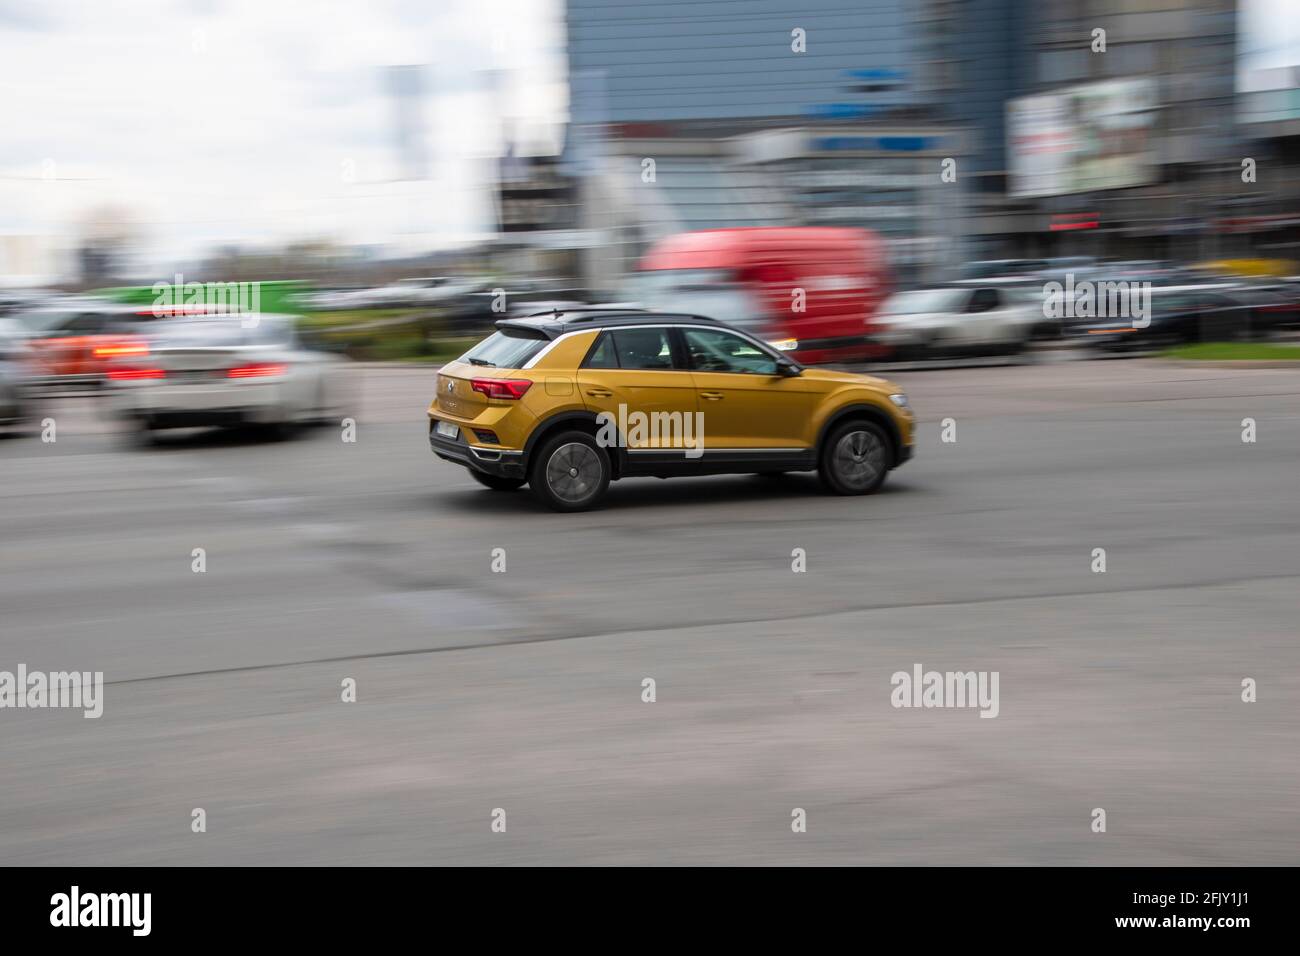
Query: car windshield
x: 925, y: 300
x: 506, y: 348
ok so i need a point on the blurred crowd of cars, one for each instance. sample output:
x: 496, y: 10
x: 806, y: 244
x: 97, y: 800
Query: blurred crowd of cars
x: 160, y: 368
x: 1004, y: 306
x: 827, y: 295
x: 466, y: 305
x: 824, y: 295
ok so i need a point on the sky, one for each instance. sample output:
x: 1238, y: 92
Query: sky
x: 201, y: 123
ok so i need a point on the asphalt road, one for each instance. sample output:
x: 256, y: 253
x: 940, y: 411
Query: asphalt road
x: 522, y: 690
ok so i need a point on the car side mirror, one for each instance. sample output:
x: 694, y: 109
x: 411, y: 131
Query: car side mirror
x: 788, y: 370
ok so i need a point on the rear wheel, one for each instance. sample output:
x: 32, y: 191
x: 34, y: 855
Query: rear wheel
x: 855, y: 459
x: 140, y: 433
x: 569, y: 472
x: 496, y: 482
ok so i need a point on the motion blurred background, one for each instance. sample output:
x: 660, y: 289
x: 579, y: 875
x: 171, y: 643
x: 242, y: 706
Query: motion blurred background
x: 384, y: 170
x: 923, y: 177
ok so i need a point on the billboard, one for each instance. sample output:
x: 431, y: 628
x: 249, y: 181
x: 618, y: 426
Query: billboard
x: 1268, y: 61
x: 1082, y: 138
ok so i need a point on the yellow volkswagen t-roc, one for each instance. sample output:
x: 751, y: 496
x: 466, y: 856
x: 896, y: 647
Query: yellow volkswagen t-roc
x: 567, y: 401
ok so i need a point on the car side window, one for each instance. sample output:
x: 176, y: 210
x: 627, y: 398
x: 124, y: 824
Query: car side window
x: 984, y: 300
x: 602, y: 356
x: 87, y: 324
x: 643, y: 348
x: 718, y: 351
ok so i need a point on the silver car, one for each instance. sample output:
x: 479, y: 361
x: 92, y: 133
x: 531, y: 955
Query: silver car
x: 967, y: 317
x: 225, y: 370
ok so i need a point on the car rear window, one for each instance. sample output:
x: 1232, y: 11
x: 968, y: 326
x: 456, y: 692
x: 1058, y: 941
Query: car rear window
x: 221, y: 332
x: 506, y: 348
x: 40, y: 320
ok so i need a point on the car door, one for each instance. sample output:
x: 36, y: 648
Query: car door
x: 744, y: 401
x: 635, y: 375
x: 983, y: 322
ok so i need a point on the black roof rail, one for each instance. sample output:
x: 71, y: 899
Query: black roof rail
x: 558, y: 311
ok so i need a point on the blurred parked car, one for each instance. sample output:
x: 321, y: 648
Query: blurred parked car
x: 72, y: 339
x: 474, y: 312
x: 225, y: 370
x: 403, y: 294
x: 1197, y: 313
x: 327, y: 299
x: 963, y: 318
x: 19, y: 404
x: 1276, y: 302
x: 423, y: 291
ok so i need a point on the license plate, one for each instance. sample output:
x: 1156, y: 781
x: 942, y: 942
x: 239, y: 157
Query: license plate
x: 448, y: 430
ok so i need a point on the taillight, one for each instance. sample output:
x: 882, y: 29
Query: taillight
x: 510, y: 388
x: 134, y: 374
x: 256, y: 370
x: 124, y: 348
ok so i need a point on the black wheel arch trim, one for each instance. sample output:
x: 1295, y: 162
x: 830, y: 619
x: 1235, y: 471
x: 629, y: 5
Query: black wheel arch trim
x: 585, y: 418
x: 871, y: 412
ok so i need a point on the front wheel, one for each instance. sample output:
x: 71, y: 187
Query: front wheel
x: 569, y: 472
x: 496, y: 482
x: 855, y: 459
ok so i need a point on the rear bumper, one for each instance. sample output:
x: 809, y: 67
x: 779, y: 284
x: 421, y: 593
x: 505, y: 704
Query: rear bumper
x: 501, y: 462
x: 185, y: 406
x: 204, y: 419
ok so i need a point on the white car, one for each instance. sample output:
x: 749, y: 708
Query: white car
x: 225, y: 370
x: 963, y: 318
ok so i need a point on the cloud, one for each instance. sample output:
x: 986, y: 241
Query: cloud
x: 236, y: 120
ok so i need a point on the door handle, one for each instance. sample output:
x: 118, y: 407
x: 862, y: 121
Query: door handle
x: 599, y: 392
x: 711, y: 396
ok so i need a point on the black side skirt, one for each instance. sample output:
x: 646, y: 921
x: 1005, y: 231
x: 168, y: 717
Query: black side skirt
x: 721, y: 461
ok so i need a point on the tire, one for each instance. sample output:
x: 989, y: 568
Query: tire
x: 140, y: 433
x: 496, y: 482
x: 282, y: 430
x: 569, y: 472
x: 854, y: 458
x: 323, y: 412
